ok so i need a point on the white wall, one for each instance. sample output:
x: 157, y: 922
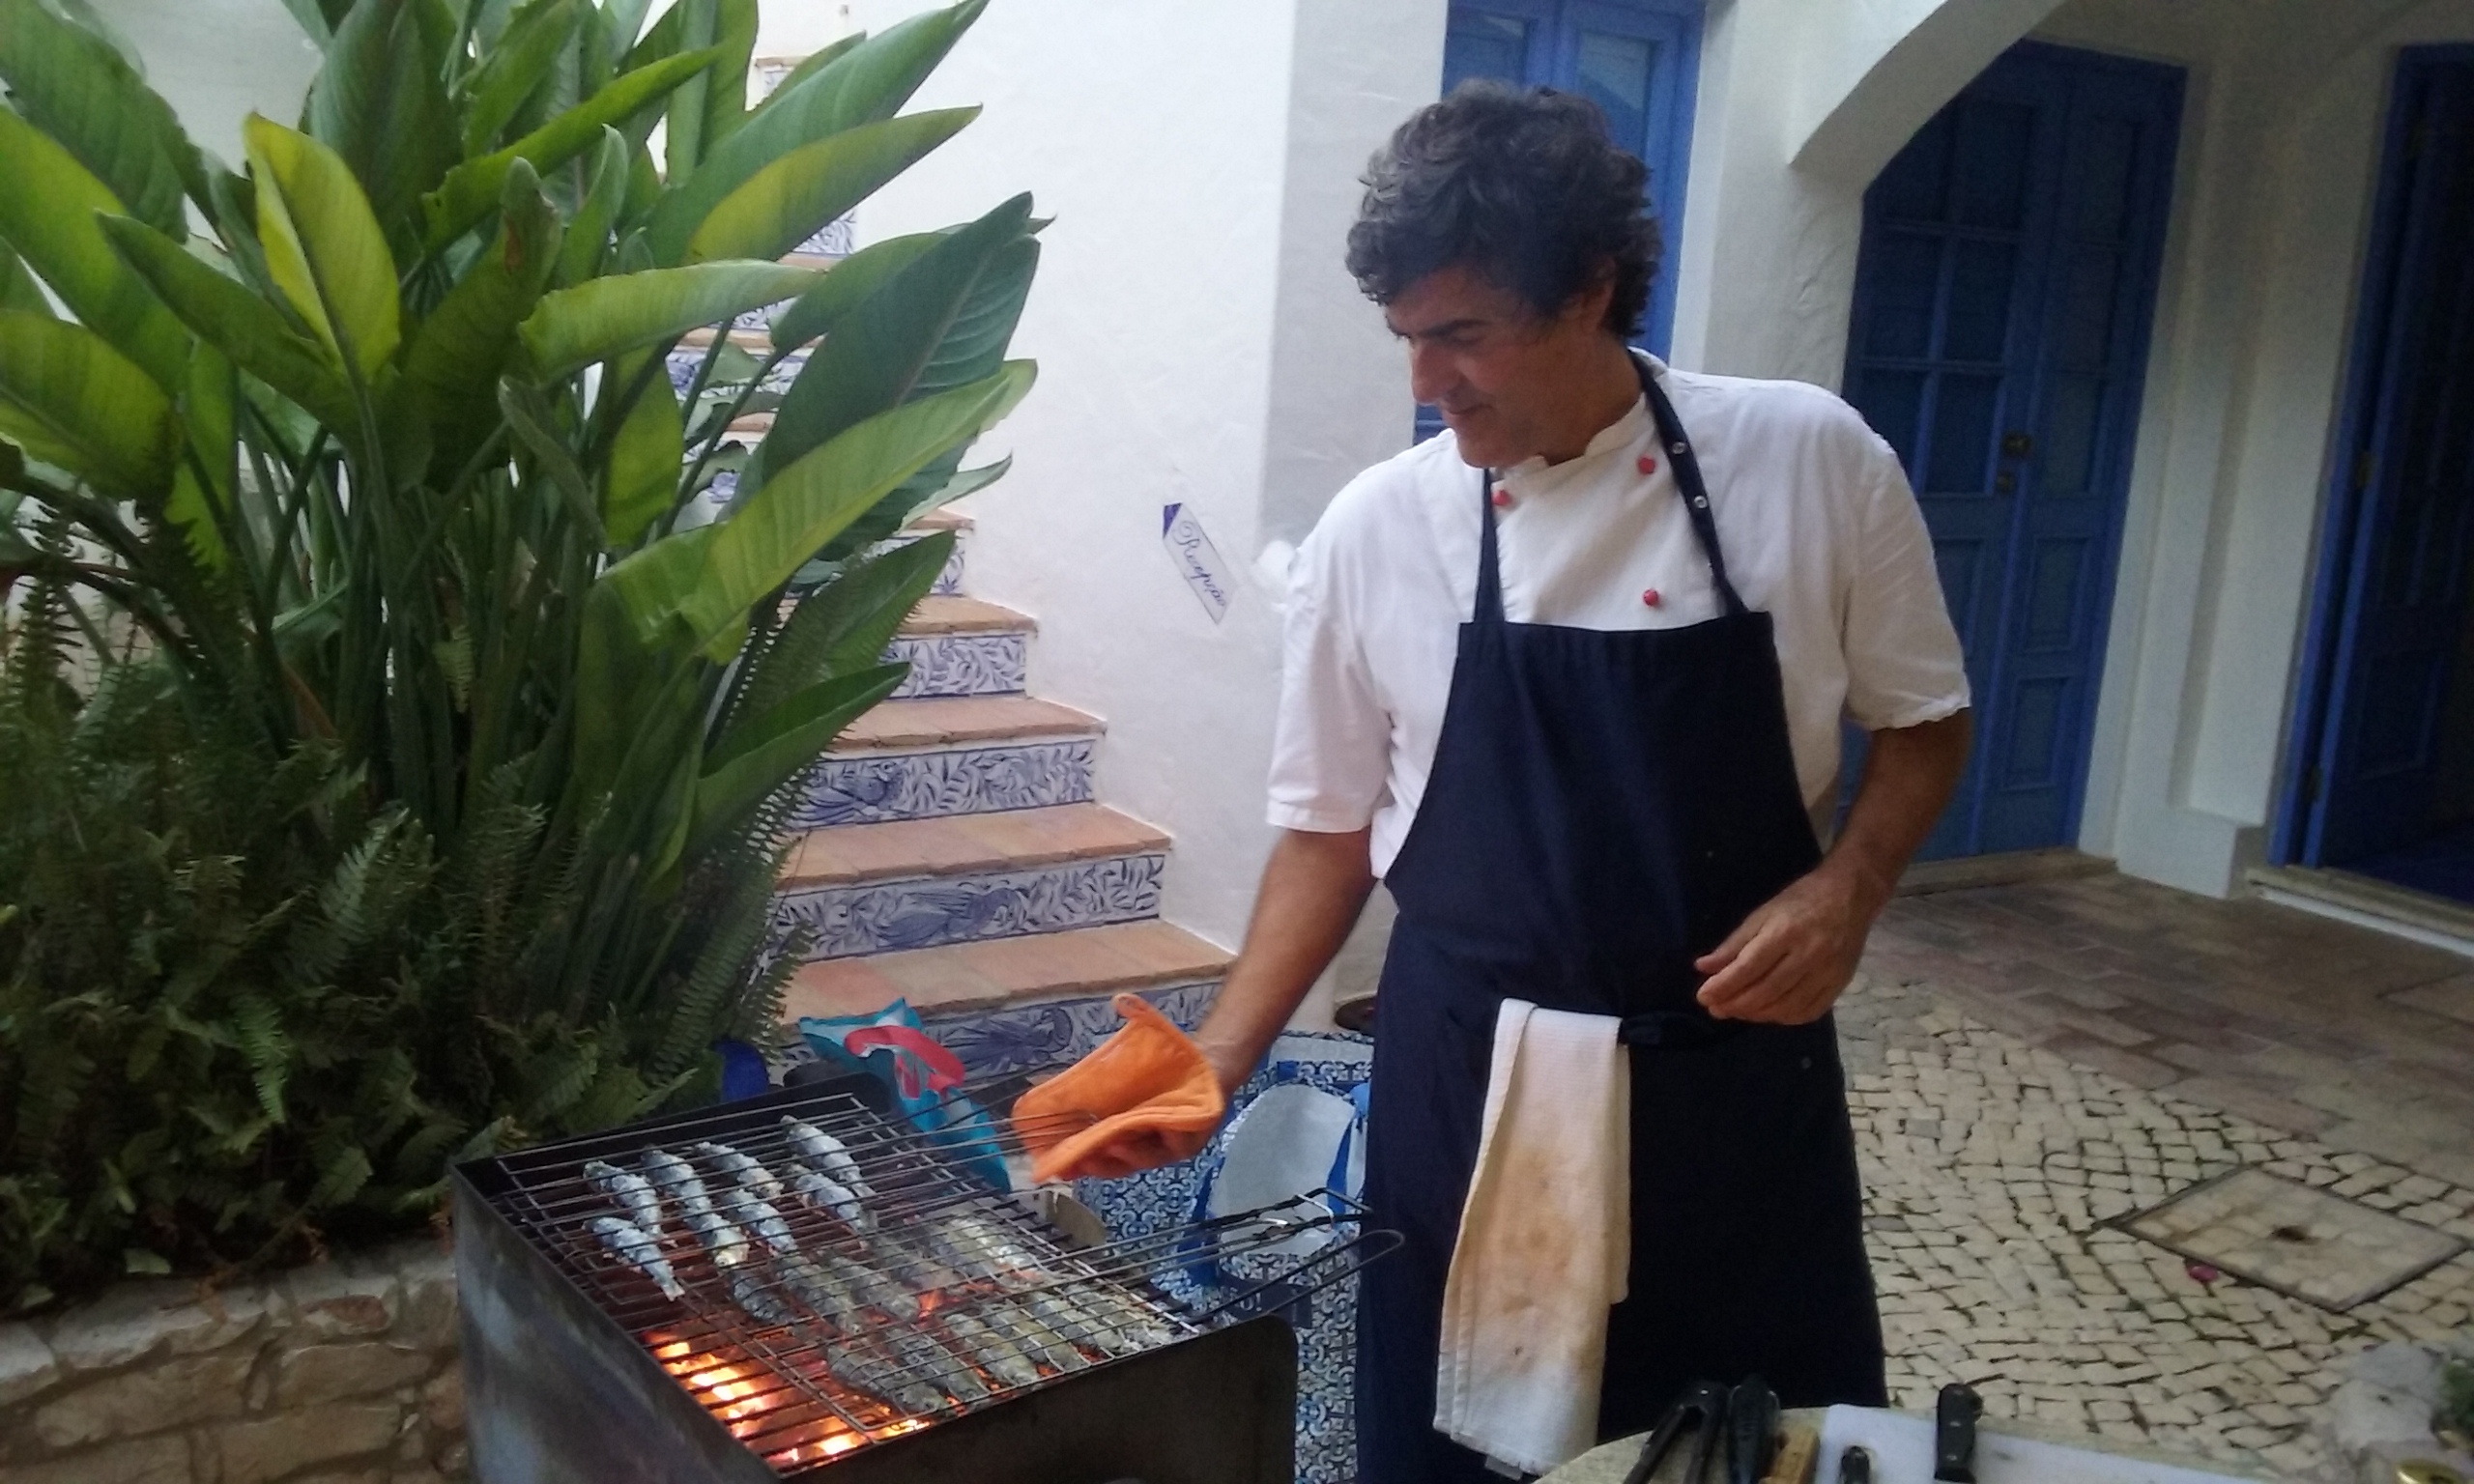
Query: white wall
x: 216, y: 61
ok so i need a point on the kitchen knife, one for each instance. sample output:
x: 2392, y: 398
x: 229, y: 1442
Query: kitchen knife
x: 1752, y: 1431
x: 1954, y: 1418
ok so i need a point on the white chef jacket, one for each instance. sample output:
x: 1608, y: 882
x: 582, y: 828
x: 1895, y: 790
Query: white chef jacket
x: 1815, y: 517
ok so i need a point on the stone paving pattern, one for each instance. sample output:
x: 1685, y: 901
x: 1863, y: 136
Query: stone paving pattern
x: 1993, y: 1157
x: 2363, y: 1041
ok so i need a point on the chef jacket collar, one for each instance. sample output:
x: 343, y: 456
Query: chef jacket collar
x: 1622, y: 433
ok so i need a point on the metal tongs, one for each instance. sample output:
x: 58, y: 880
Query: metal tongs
x: 1702, y: 1406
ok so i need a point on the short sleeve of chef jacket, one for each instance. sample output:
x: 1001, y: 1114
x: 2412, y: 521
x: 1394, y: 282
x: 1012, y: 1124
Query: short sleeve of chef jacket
x: 1819, y: 528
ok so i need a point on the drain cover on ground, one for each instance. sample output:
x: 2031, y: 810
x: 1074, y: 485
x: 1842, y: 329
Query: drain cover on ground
x: 2307, y: 1244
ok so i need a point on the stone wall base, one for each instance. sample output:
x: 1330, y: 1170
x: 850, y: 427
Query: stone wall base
x: 340, y: 1373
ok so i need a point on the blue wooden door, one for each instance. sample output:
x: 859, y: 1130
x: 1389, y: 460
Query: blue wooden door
x: 2408, y: 554
x: 2003, y: 294
x: 1636, y: 59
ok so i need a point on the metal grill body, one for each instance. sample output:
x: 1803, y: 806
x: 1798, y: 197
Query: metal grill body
x: 932, y: 1330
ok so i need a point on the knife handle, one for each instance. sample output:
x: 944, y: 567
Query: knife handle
x: 1954, y: 1417
x: 1752, y: 1431
x: 1854, y: 1467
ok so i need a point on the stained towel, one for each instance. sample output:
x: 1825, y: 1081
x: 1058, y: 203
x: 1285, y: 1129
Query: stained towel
x: 1146, y: 1097
x: 1546, y: 1238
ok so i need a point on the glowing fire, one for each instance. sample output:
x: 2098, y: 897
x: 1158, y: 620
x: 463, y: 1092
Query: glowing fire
x: 741, y: 1394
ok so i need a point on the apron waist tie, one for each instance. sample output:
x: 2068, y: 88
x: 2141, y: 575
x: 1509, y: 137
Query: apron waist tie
x: 1676, y: 1030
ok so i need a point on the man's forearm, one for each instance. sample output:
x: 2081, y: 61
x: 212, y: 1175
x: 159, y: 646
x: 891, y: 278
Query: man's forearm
x: 1909, y: 775
x: 1313, y: 888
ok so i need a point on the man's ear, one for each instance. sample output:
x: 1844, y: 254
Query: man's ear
x: 1587, y: 304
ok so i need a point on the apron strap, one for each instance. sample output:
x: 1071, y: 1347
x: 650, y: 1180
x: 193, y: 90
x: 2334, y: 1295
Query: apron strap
x: 1489, y: 605
x: 1688, y: 482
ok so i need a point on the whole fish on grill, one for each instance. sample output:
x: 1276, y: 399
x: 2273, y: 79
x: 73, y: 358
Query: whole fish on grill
x: 822, y: 1151
x: 818, y: 1289
x: 664, y: 1171
x: 1131, y: 1317
x: 1083, y: 1324
x: 984, y: 1249
x: 825, y: 1193
x: 923, y: 1355
x: 749, y: 1292
x: 740, y: 1169
x: 864, y: 1367
x: 1079, y: 1324
x: 751, y: 1212
x: 633, y: 1245
x: 1036, y: 1339
x: 989, y: 1349
x: 910, y: 1258
x: 871, y: 1287
x: 629, y: 1189
x: 724, y: 1241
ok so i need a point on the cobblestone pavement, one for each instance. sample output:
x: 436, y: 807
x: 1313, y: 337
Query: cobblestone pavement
x: 2362, y: 1041
x: 1991, y: 1165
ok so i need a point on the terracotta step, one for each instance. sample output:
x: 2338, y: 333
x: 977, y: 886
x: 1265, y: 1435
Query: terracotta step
x: 941, y: 721
x: 902, y: 849
x: 951, y: 614
x: 969, y: 976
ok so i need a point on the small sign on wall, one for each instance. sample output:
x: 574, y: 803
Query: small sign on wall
x: 1198, y: 560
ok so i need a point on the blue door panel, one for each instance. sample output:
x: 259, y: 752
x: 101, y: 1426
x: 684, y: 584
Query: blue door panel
x: 2408, y: 554
x: 2002, y: 297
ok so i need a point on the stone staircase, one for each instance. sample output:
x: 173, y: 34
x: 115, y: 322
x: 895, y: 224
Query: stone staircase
x: 955, y: 857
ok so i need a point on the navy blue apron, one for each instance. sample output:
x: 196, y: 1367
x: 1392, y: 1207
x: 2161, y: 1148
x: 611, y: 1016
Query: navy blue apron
x: 1604, y: 807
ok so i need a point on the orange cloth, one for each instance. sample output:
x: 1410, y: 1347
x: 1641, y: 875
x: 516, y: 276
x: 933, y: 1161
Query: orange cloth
x: 1146, y: 1097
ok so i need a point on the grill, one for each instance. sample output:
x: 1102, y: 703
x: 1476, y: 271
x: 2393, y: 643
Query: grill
x: 805, y: 1282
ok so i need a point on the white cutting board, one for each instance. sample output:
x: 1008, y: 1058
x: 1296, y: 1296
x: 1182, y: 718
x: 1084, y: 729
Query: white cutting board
x: 1902, y: 1449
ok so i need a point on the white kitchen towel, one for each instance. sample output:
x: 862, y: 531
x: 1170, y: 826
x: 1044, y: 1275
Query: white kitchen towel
x: 1546, y: 1238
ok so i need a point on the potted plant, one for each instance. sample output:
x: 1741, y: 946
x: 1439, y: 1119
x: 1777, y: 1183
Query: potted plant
x: 399, y: 705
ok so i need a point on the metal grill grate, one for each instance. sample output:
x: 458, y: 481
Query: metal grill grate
x: 815, y: 1315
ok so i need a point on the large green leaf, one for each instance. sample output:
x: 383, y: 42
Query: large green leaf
x: 204, y: 483
x: 941, y: 322
x: 868, y: 82
x: 377, y: 100
x: 644, y: 456
x: 471, y: 188
x: 48, y: 212
x: 851, y: 281
x: 324, y: 247
x: 605, y: 196
x: 574, y: 328
x: 838, y: 628
x: 457, y: 354
x: 777, y: 747
x: 74, y: 86
x: 18, y: 289
x: 739, y: 561
x: 70, y: 399
x: 516, y: 67
x: 782, y: 205
x: 240, y: 324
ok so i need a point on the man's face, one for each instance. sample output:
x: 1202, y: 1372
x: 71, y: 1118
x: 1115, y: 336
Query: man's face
x: 1500, y: 373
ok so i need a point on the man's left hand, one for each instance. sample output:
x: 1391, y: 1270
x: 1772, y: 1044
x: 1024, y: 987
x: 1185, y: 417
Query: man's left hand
x: 1788, y: 962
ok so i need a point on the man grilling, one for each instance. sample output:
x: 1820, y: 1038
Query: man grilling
x: 1569, y: 678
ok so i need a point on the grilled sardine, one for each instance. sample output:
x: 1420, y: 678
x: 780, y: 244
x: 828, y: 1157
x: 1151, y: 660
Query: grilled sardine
x: 989, y: 1349
x: 822, y: 1151
x: 630, y: 1190
x: 633, y: 1245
